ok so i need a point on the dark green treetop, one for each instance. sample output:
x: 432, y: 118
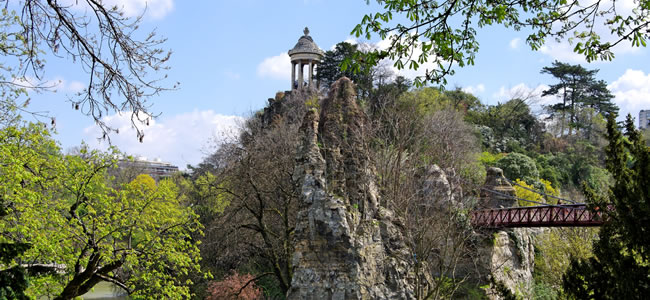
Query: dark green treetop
x: 578, y: 89
x: 620, y: 267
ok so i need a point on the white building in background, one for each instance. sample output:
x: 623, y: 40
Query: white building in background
x: 644, y: 119
x: 155, y: 168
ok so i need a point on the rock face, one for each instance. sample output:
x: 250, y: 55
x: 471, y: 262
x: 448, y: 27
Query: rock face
x: 347, y: 246
x: 436, y: 187
x: 288, y: 105
x: 509, y: 255
x: 512, y: 260
x: 497, y: 191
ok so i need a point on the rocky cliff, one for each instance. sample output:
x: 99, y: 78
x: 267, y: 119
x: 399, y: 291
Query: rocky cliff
x: 347, y: 246
x: 508, y: 259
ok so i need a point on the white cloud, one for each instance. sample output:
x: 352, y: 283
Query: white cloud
x: 349, y: 40
x: 631, y: 92
x: 562, y: 52
x: 57, y: 84
x: 514, y: 43
x: 275, y: 67
x: 177, y: 139
x: 406, y: 71
x: 27, y: 82
x: 156, y: 9
x: 232, y: 75
x: 480, y: 88
x: 75, y: 86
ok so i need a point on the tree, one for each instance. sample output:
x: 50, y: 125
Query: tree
x: 330, y: 69
x: 445, y: 32
x: 119, y: 65
x: 409, y: 136
x: 512, y: 124
x: 136, y: 236
x: 578, y: 90
x: 234, y: 287
x: 621, y: 262
x: 525, y: 191
x: 13, y: 280
x: 463, y: 101
x: 385, y: 95
x: 254, y: 174
x: 554, y: 249
x: 519, y: 166
x: 432, y: 99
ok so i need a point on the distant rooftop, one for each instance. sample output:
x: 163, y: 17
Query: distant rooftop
x: 156, y: 168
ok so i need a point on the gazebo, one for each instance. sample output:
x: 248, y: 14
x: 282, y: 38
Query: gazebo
x: 306, y: 52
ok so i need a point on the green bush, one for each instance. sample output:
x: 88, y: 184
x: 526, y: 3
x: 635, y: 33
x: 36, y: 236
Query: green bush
x: 519, y: 166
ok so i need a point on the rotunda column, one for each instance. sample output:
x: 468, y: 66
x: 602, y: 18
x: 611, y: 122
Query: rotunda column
x: 293, y: 75
x: 311, y: 74
x: 317, y: 66
x: 301, y: 77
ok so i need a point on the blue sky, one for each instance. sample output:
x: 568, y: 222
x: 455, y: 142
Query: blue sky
x: 230, y: 57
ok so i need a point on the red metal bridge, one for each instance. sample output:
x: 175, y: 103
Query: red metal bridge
x: 571, y: 215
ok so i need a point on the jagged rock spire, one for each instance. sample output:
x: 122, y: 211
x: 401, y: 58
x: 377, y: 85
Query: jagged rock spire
x: 346, y: 245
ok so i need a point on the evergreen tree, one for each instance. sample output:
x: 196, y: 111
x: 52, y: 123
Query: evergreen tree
x: 620, y: 267
x: 330, y: 69
x: 578, y: 89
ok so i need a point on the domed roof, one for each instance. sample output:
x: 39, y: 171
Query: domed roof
x: 306, y: 45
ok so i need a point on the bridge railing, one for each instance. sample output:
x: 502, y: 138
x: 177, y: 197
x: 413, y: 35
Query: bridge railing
x: 571, y: 215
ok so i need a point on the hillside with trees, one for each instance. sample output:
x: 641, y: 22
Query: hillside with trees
x: 70, y: 221
x: 559, y: 149
x: 361, y: 189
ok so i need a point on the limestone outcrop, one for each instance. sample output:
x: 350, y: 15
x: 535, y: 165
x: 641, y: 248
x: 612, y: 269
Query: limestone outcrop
x: 497, y: 191
x: 347, y: 246
x: 509, y: 255
x: 436, y: 187
x: 512, y: 260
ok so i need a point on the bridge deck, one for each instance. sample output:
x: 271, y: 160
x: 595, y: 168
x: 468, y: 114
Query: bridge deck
x: 573, y: 215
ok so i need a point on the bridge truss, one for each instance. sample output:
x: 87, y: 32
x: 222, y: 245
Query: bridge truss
x: 567, y: 215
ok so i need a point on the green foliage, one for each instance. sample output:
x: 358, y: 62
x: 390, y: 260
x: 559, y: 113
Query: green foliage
x: 523, y: 191
x: 501, y: 289
x: 136, y: 235
x: 429, y: 100
x: 579, y: 163
x: 471, y: 291
x: 333, y: 67
x: 426, y: 100
x: 13, y: 45
x: 312, y: 103
x: 203, y: 193
x: 554, y: 249
x: 13, y: 280
x: 554, y: 168
x: 512, y: 126
x: 519, y: 166
x: 583, y: 98
x: 621, y: 262
x: 543, y: 291
x: 490, y: 160
x: 445, y: 33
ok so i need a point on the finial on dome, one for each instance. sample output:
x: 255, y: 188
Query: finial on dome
x: 306, y: 31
